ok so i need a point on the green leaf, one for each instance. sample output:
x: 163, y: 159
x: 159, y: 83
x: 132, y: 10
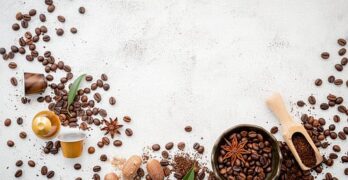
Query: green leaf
x: 190, y: 175
x: 74, y: 88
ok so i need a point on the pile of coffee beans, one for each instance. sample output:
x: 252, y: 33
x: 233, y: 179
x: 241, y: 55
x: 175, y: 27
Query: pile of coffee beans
x: 52, y: 147
x: 256, y: 153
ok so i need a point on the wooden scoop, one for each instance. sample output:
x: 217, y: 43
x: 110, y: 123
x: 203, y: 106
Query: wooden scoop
x: 289, y: 127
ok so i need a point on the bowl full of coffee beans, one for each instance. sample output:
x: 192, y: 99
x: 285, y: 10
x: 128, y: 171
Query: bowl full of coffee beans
x: 247, y: 152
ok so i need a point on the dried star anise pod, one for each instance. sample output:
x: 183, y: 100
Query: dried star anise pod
x: 235, y: 150
x: 111, y: 127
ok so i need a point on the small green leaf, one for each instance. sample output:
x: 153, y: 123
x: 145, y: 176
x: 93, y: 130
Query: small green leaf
x: 190, y: 175
x: 73, y: 89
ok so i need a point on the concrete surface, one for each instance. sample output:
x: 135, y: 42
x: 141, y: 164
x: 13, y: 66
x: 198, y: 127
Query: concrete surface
x: 172, y: 63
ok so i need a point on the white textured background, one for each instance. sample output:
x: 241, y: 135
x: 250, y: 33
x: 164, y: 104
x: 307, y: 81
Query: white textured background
x: 171, y: 63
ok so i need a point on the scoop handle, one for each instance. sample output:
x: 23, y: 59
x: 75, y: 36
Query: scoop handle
x: 276, y: 104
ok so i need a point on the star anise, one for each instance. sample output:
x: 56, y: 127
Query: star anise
x: 235, y: 150
x: 111, y: 127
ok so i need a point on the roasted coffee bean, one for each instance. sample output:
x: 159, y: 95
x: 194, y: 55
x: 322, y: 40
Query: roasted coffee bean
x: 336, y: 118
x: 200, y: 150
x: 129, y: 132
x: 342, y: 51
x: 59, y: 31
x: 61, y: 18
x: 274, y: 129
x: 21, y: 50
x: 49, y: 77
x: 42, y: 17
x: 73, y: 30
x: 32, y: 12
x: 331, y: 79
x: 342, y: 136
x: 103, y: 157
x: 43, y: 29
x: 324, y: 106
x: 112, y: 100
x: 100, y: 83
x: 31, y: 163
x: 117, y: 143
x: 345, y: 130
x: 181, y: 146
x: 332, y: 127
x: 342, y: 109
x: 339, y: 100
x: 100, y: 144
x: 82, y: 10
x: 318, y: 82
x: 165, y: 154
x: 50, y: 174
x: 18, y: 173
x: 312, y: 100
x: 336, y: 148
x: 7, y: 122
x: 2, y: 51
x: 24, y: 24
x: 89, y: 78
x: 106, y: 140
x: 106, y: 86
x: 103, y: 113
x: 23, y: 135
x: 344, y: 61
x: 164, y: 162
x: 12, y: 65
x: 344, y: 159
x: 19, y: 16
x: 94, y: 86
x: 14, y: 81
x: 91, y: 150
x: 19, y: 121
x: 169, y: 145
x: 15, y: 27
x: 341, y: 42
x: 127, y: 119
x: 104, y: 77
x: 51, y: 8
x: 19, y: 163
x: 188, y: 128
x: 338, y: 67
x: 96, y: 168
x: 156, y: 147
x: 338, y: 82
x: 77, y: 166
x: 300, y: 103
x: 325, y: 55
x: 46, y: 38
x: 96, y: 177
x: 26, y: 17
x: 333, y: 135
x: 44, y: 170
x: 346, y: 171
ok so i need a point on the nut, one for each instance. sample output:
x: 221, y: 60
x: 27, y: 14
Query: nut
x: 155, y: 170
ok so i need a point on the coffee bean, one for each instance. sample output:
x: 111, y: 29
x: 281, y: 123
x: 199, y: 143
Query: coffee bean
x: 342, y: 51
x: 200, y: 149
x: 59, y: 31
x: 274, y: 129
x: 322, y: 121
x: 31, y: 163
x: 97, y: 97
x: 333, y: 135
x: 91, y: 150
x: 338, y: 67
x: 336, y: 148
x: 32, y: 12
x: 61, y: 18
x: 23, y: 135
x: 24, y: 24
x: 342, y: 136
x: 339, y: 100
x: 325, y: 55
x: 333, y: 156
x: 324, y: 106
x: 44, y: 170
x: 26, y: 17
x: 19, y: 121
x: 15, y: 27
x: 345, y: 130
x: 21, y: 50
x: 73, y: 30
x: 2, y: 51
x: 96, y: 177
x: 82, y: 10
x: 7, y: 122
x: 300, y: 103
x: 311, y: 100
x: 344, y: 61
x: 346, y: 171
x: 342, y: 109
x: 42, y: 17
x: 112, y: 100
x: 165, y: 154
x: 129, y: 132
x: 94, y: 86
x: 19, y: 163
x: 13, y: 81
x: 77, y: 166
x: 43, y: 29
x: 106, y: 140
x: 341, y: 42
x: 18, y: 173
x: 344, y: 159
x: 51, y: 8
x: 12, y: 65
x: 169, y: 145
x: 106, y: 86
x: 336, y: 118
x: 103, y: 157
x: 331, y: 79
x: 127, y: 119
x: 96, y: 168
x: 100, y: 144
x: 46, y: 38
x: 156, y: 147
x: 188, y: 128
x: 19, y: 16
x: 318, y: 82
x: 100, y: 83
x: 50, y: 174
x: 181, y: 145
x: 117, y: 143
x: 338, y: 82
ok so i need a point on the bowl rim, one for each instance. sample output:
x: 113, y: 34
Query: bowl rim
x: 227, y: 131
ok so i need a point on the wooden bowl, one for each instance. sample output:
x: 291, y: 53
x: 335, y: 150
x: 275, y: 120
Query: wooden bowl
x: 276, y: 153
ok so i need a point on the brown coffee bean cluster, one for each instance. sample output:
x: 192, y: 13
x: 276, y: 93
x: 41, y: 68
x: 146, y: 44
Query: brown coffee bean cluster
x: 52, y: 147
x: 256, y: 163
